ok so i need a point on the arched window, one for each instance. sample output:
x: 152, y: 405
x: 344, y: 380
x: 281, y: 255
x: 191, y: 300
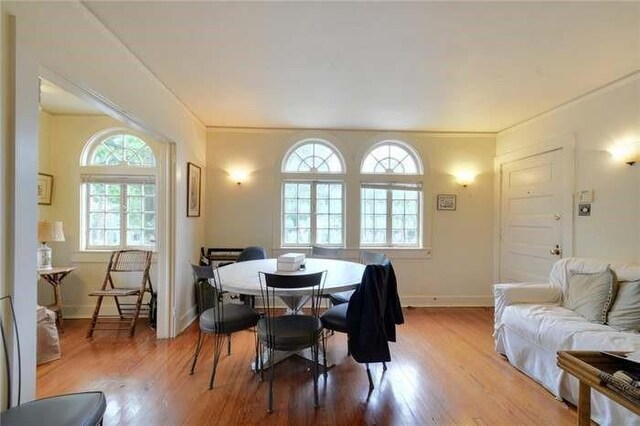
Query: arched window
x: 391, y: 157
x: 118, y: 192
x: 391, y: 211
x: 313, y: 156
x: 121, y: 149
x: 312, y: 198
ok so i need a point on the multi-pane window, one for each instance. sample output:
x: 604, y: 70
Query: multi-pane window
x: 121, y: 215
x: 313, y: 156
x: 122, y: 150
x: 312, y: 204
x: 312, y: 213
x: 119, y: 194
x: 391, y: 212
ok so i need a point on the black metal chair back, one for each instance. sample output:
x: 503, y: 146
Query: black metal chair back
x: 6, y: 339
x: 327, y: 252
x: 373, y: 258
x: 205, y: 293
x: 252, y: 253
x: 270, y: 283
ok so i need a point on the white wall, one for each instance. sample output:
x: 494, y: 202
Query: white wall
x: 458, y: 272
x: 598, y: 121
x: 66, y: 39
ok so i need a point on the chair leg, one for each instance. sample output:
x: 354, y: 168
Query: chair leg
x: 94, y: 318
x: 257, y: 366
x: 197, y: 352
x: 229, y: 345
x: 371, y: 387
x: 384, y: 366
x: 218, y: 340
x: 271, y: 368
x: 324, y: 356
x: 136, y: 313
x: 119, y: 308
x: 315, y: 351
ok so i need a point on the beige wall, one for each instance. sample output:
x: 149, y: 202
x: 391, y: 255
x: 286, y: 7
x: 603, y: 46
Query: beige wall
x: 458, y: 269
x: 62, y: 139
x: 597, y: 122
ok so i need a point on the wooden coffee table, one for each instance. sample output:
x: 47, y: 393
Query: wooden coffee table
x: 586, y: 367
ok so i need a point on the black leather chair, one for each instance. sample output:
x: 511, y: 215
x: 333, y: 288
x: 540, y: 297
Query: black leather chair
x: 291, y: 332
x: 251, y: 253
x: 217, y: 318
x: 84, y: 408
x: 366, y: 258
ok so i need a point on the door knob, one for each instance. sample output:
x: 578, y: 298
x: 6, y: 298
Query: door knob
x: 556, y: 250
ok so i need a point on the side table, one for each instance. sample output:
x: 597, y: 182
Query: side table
x: 54, y: 276
x: 586, y: 367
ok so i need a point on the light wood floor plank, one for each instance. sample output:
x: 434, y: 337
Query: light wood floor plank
x: 444, y: 371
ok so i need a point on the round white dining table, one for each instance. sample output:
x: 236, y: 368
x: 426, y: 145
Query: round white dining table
x: 243, y: 278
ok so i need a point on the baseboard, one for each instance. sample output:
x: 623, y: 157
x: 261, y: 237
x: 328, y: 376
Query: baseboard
x: 187, y: 318
x: 451, y: 301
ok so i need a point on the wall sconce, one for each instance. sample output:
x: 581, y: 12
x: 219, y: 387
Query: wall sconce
x: 465, y: 177
x: 626, y: 152
x: 239, y: 176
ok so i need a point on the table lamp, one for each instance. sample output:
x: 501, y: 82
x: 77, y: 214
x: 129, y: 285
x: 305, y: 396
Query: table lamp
x: 47, y: 232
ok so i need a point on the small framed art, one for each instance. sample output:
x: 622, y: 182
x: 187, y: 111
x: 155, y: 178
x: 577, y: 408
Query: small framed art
x: 194, y: 178
x: 45, y: 189
x: 446, y: 202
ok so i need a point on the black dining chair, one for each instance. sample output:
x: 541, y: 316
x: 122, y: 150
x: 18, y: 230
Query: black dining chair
x: 366, y: 258
x: 216, y: 317
x: 83, y: 408
x: 326, y: 252
x: 290, y: 332
x: 369, y: 318
x: 251, y: 253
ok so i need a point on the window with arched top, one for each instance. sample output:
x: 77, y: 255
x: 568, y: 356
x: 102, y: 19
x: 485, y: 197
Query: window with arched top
x: 391, y: 208
x: 118, y: 204
x: 121, y: 149
x: 391, y: 157
x: 313, y: 156
x: 312, y: 197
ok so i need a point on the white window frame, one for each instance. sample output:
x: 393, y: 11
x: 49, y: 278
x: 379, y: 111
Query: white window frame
x: 312, y: 212
x: 313, y: 177
x: 122, y: 175
x: 389, y: 188
x: 393, y: 180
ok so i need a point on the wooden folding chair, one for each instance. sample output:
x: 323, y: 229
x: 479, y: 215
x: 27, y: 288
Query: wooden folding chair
x: 123, y: 261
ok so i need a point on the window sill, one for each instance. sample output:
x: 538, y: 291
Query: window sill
x: 99, y: 256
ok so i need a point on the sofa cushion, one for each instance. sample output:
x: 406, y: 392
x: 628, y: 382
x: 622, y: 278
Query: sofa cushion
x: 625, y: 311
x: 591, y: 294
x: 551, y: 327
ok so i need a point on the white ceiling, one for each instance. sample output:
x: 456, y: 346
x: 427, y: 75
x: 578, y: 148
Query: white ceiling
x: 418, y: 66
x: 56, y: 100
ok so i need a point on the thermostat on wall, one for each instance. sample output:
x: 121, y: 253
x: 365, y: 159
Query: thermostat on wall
x: 585, y: 196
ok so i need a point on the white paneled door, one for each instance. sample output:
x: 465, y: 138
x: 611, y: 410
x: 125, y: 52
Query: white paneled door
x: 531, y: 217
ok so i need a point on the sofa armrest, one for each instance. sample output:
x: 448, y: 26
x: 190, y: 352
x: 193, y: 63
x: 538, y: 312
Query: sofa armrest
x: 510, y: 294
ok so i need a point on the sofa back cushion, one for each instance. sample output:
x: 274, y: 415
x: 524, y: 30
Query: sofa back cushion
x: 591, y: 294
x: 625, y: 310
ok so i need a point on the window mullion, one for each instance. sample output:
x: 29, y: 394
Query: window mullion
x: 312, y: 238
x: 389, y: 221
x: 123, y: 215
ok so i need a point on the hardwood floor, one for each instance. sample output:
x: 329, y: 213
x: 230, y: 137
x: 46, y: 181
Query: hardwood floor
x: 444, y: 371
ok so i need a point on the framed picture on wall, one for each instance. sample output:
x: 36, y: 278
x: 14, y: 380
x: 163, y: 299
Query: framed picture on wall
x: 45, y: 189
x: 194, y: 177
x: 446, y: 202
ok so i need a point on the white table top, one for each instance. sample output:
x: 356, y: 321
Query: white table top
x: 242, y: 277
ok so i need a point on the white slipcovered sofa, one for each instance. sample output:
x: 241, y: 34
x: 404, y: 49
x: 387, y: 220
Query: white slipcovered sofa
x: 531, y: 326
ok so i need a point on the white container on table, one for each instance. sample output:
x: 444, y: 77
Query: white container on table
x: 290, y: 262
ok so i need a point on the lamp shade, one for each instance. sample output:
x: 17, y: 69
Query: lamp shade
x: 50, y: 231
